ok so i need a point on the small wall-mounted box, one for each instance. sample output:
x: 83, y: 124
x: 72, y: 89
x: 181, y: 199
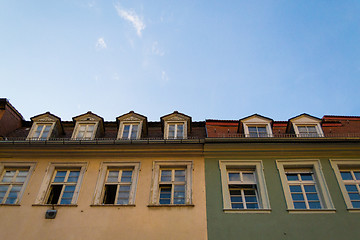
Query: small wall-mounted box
x: 50, y: 214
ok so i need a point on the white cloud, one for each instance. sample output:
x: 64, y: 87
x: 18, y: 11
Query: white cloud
x: 100, y: 43
x: 156, y: 50
x: 132, y: 17
x: 164, y: 76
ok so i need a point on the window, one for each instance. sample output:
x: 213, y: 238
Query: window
x: 88, y: 126
x: 117, y: 183
x: 176, y: 131
x: 307, y: 131
x: 304, y: 186
x: 348, y: 175
x: 257, y: 126
x: 61, y: 184
x: 132, y: 126
x: 130, y: 131
x: 13, y: 180
x: 305, y: 125
x: 42, y: 131
x: 45, y: 126
x: 303, y: 189
x: 176, y: 125
x: 171, y: 183
x: 243, y: 186
x: 257, y: 131
x: 85, y: 132
x: 172, y: 186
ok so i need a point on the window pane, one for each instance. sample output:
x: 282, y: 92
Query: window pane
x: 180, y: 175
x: 90, y: 128
x: 126, y: 176
x: 180, y: 131
x: 60, y: 176
x: 312, y: 196
x: 292, y: 177
x: 297, y: 196
x: 357, y: 175
x: 171, y: 133
x: 237, y: 205
x: 234, y: 176
x: 314, y: 205
x: 346, y: 175
x: 354, y: 196
x: 134, y: 131
x: 310, y: 188
x: 166, y: 175
x: 73, y: 176
x: 126, y: 131
x: 299, y: 205
x: 351, y: 188
x: 306, y: 176
x: 252, y: 205
x: 113, y: 176
x: 356, y: 204
x: 248, y: 177
x: 295, y: 188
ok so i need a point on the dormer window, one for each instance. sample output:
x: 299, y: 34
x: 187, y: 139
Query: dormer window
x: 85, y: 131
x: 307, y: 131
x: 132, y: 126
x: 130, y: 131
x: 44, y: 127
x: 176, y: 125
x: 256, y: 126
x: 306, y: 126
x: 88, y: 126
x: 176, y: 131
x: 42, y: 131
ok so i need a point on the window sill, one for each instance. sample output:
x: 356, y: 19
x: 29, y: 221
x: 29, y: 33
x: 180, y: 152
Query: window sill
x: 354, y: 210
x: 171, y: 205
x: 247, y: 210
x: 112, y: 205
x: 311, y: 211
x: 7, y: 204
x: 55, y: 205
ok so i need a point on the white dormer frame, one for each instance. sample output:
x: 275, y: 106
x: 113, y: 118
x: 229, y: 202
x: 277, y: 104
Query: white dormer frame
x: 177, y: 119
x: 43, y: 119
x: 306, y: 121
x: 86, y: 119
x: 131, y: 118
x: 257, y: 121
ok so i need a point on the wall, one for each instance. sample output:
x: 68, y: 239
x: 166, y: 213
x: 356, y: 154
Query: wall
x: 105, y: 222
x: 279, y: 224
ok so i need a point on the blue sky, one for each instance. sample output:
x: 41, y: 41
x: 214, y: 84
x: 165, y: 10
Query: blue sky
x: 207, y: 59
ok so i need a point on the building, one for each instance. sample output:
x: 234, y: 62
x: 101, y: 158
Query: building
x: 130, y: 178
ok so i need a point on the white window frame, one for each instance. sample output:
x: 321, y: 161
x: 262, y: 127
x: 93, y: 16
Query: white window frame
x: 44, y: 192
x: 131, y: 123
x: 267, y: 127
x: 320, y: 183
x: 17, y: 165
x: 34, y: 128
x: 87, y: 123
x: 100, y: 186
x: 255, y: 166
x: 176, y: 123
x: 346, y: 164
x: 169, y: 165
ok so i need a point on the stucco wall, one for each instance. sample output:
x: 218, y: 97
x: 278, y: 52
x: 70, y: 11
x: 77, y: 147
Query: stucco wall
x: 106, y: 222
x: 279, y: 224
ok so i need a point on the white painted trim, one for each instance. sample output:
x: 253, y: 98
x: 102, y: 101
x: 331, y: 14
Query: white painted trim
x: 99, y: 190
x: 257, y: 165
x: 320, y: 182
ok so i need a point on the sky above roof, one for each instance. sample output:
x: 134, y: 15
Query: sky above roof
x: 207, y: 59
